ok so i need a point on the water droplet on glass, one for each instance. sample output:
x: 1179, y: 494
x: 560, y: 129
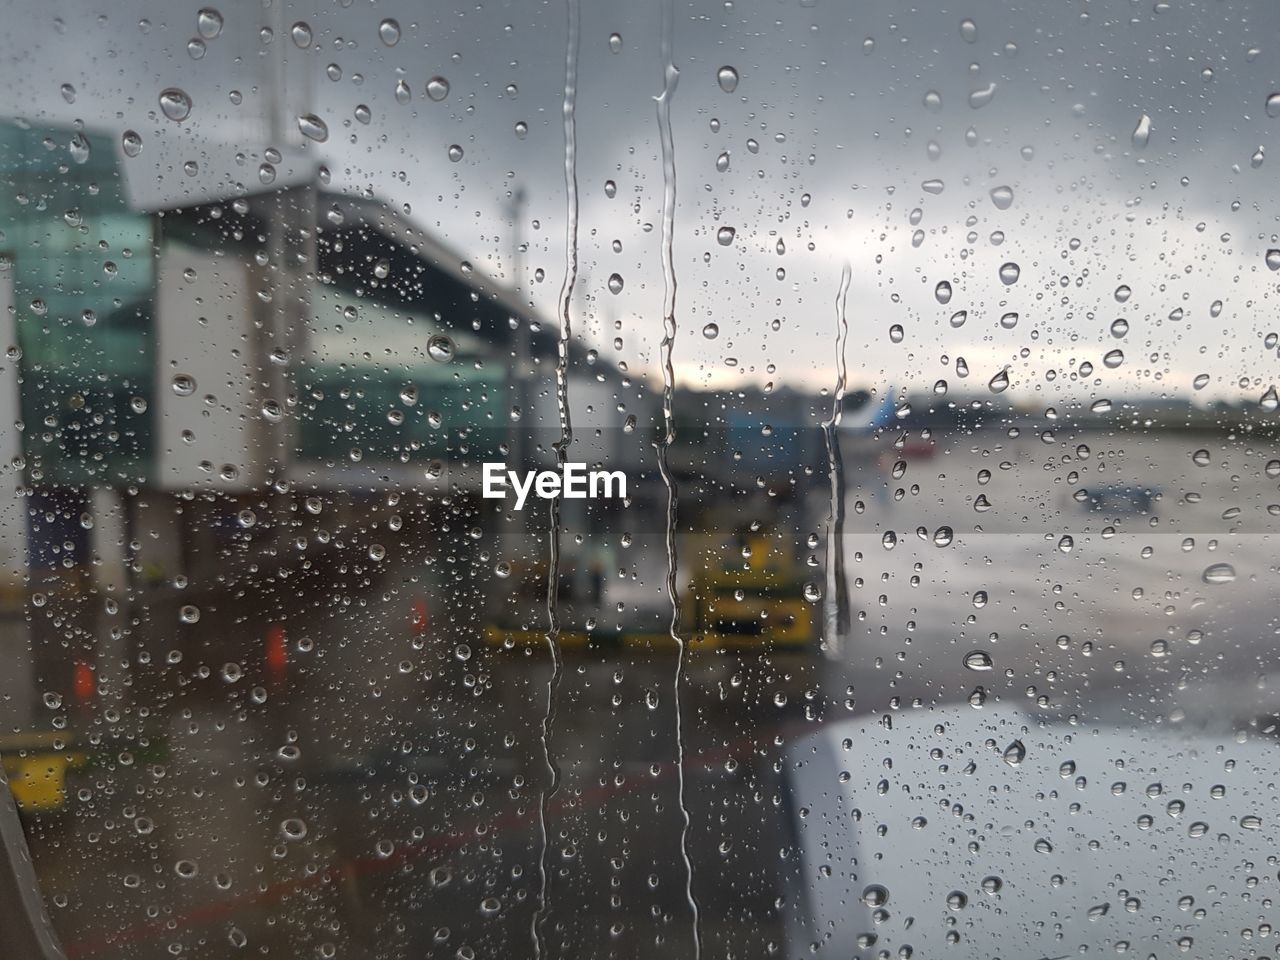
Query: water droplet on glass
x: 896, y: 333
x: 1269, y: 400
x: 615, y: 43
x: 455, y: 152
x: 68, y: 92
x: 301, y: 34
x: 981, y: 97
x: 313, y: 128
x: 131, y: 143
x: 208, y: 23
x: 1219, y: 573
x: 711, y: 331
x: 727, y: 77
x: 1201, y: 381
x: 1141, y: 133
x: 1273, y: 105
x: 978, y: 660
x: 1009, y: 273
x: 724, y: 236
x: 183, y: 385
x: 722, y: 162
x: 1201, y: 458
x: 959, y: 317
x: 403, y: 93
x: 389, y: 32
x: 1002, y: 197
x: 175, y: 104
x: 933, y: 101
x: 1009, y: 320
x: 969, y: 30
x: 874, y: 895
x: 79, y: 148
x: 1272, y: 259
x: 934, y: 186
x: 437, y: 89
x: 942, y: 292
x: 440, y: 348
x: 942, y: 537
x: 615, y: 283
x: 189, y: 614
x: 1000, y: 382
x: 812, y: 592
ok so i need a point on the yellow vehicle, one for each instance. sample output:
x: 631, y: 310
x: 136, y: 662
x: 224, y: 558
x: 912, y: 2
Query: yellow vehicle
x: 36, y: 766
x: 749, y: 596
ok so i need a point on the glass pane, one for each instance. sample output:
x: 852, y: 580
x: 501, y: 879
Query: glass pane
x: 610, y: 480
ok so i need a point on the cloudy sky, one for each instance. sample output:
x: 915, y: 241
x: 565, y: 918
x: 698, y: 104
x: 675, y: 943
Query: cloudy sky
x: 871, y: 135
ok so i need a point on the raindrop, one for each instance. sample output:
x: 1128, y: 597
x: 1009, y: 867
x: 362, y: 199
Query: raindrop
x: 958, y: 318
x: 1273, y: 105
x: 1000, y: 382
x: 812, y: 592
x: 1269, y: 401
x: 403, y: 94
x: 969, y: 30
x: 301, y: 34
x: 1200, y: 458
x: 79, y: 148
x: 313, y: 128
x: 711, y: 331
x: 722, y: 162
x: 933, y: 101
x: 437, y: 89
x: 727, y: 77
x: 455, y: 152
x: 1009, y: 273
x: 1113, y: 359
x: 131, y: 143
x: 1002, y: 197
x: 183, y: 384
x: 208, y: 23
x: 978, y: 660
x: 175, y: 104
x: 68, y: 92
x: 1219, y: 573
x: 189, y: 614
x: 1119, y: 327
x: 724, y: 237
x: 615, y: 283
x: 293, y: 829
x: 1141, y: 133
x: 1201, y: 381
x: 615, y: 43
x: 874, y: 895
x: 934, y: 186
x: 942, y: 537
x: 1009, y: 321
x: 440, y: 348
x: 1272, y: 259
x: 1014, y: 753
x: 942, y: 292
x: 389, y: 32
x: 980, y: 98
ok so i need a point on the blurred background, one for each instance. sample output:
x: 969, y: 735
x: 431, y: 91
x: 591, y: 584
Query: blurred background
x: 939, y: 349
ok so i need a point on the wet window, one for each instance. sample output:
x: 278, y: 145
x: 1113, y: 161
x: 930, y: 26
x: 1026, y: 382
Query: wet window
x: 685, y: 479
